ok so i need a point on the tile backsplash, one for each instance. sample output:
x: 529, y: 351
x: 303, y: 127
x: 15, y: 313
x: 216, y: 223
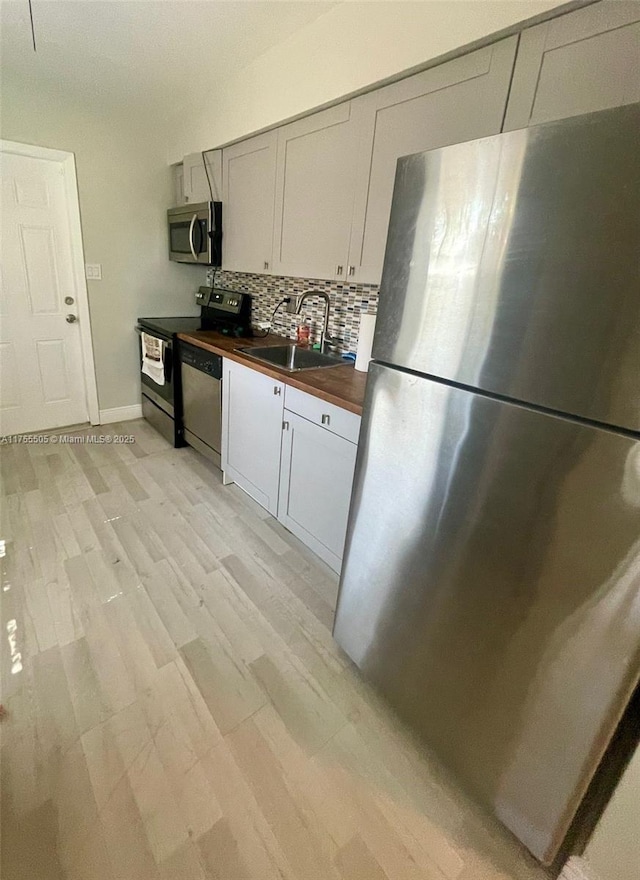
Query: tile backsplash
x: 348, y: 301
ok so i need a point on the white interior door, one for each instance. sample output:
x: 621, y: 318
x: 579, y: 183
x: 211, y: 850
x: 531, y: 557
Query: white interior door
x: 41, y: 366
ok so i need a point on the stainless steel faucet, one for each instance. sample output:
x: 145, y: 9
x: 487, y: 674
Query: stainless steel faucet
x: 324, y: 335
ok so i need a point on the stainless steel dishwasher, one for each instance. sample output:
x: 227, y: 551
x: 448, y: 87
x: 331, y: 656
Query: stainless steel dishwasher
x: 201, y: 379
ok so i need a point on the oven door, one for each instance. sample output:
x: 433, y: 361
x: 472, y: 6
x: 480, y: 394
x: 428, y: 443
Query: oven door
x: 161, y: 395
x: 189, y: 240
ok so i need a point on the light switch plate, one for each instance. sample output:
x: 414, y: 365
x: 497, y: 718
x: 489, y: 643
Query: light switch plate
x: 93, y: 271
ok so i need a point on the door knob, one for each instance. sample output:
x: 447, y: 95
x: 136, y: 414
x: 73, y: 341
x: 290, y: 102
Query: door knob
x: 69, y: 300
x: 71, y: 319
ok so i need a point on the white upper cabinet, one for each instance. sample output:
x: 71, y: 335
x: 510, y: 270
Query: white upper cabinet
x: 580, y: 62
x: 315, y: 180
x: 195, y: 183
x: 178, y: 186
x: 312, y: 198
x: 249, y: 185
x: 453, y: 102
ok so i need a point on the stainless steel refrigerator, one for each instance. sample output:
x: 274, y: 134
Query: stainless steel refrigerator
x: 491, y: 579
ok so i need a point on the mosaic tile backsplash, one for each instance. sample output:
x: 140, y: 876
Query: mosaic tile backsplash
x: 348, y: 301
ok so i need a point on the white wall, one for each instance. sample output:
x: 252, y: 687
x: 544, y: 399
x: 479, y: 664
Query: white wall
x: 614, y: 849
x: 352, y: 46
x: 123, y: 180
x: 125, y: 189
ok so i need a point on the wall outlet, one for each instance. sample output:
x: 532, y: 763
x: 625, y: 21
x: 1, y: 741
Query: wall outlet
x: 93, y: 271
x: 292, y: 302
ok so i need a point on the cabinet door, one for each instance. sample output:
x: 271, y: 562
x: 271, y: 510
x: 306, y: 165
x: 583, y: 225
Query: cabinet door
x: 178, y: 186
x: 314, y: 193
x: 196, y: 185
x: 252, y: 432
x: 453, y: 102
x: 580, y: 62
x: 249, y: 185
x: 315, y: 486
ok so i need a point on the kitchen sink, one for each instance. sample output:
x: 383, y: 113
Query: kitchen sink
x: 291, y: 357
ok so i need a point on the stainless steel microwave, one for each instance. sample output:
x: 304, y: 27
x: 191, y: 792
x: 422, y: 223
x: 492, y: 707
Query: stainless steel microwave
x: 195, y: 233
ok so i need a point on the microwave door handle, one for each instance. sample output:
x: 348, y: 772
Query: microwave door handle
x: 200, y: 240
x: 191, y: 225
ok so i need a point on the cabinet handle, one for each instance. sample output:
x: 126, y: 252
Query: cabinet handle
x: 326, y: 419
x: 266, y: 264
x: 339, y: 270
x: 352, y: 270
x: 276, y: 390
x: 285, y: 426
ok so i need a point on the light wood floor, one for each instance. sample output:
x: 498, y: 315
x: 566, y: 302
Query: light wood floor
x: 177, y: 709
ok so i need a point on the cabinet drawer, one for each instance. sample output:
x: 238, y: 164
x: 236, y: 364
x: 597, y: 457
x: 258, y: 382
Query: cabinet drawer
x: 335, y: 419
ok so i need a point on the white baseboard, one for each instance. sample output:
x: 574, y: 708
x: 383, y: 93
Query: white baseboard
x: 120, y: 414
x: 578, y: 868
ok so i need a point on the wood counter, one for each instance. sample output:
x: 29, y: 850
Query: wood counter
x: 343, y: 386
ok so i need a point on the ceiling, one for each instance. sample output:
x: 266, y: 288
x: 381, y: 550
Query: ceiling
x: 161, y: 56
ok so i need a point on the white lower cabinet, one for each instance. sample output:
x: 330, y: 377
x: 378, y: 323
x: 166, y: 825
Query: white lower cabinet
x: 316, y: 475
x: 252, y: 432
x: 297, y: 462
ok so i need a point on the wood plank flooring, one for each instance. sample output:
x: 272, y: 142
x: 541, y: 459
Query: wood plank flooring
x: 177, y: 708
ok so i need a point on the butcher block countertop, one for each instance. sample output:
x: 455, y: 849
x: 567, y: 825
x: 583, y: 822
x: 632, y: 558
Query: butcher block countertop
x: 343, y: 386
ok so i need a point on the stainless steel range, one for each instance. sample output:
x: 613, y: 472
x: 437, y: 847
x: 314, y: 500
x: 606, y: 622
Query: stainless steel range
x: 159, y: 387
x: 225, y: 311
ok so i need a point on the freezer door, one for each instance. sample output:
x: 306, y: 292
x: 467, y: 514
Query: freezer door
x: 512, y: 266
x: 491, y: 589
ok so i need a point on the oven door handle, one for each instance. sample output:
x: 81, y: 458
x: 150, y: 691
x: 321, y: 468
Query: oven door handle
x: 191, y: 225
